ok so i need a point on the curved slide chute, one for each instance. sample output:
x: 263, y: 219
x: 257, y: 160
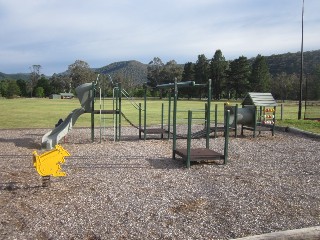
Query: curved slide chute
x: 50, y: 139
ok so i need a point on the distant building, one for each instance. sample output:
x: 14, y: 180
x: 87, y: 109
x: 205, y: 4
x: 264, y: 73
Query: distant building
x: 54, y: 96
x: 61, y: 96
x: 67, y: 95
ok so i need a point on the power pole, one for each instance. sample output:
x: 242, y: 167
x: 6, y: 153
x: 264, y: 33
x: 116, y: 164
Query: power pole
x: 301, y: 70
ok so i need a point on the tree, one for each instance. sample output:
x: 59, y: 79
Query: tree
x: 285, y: 86
x: 80, y: 73
x: 188, y: 72
x: 238, y: 77
x: 39, y: 92
x: 188, y: 75
x: 260, y: 76
x: 201, y: 72
x: 34, y: 77
x: 44, y: 83
x: 313, y: 85
x: 171, y: 71
x: 60, y: 83
x: 154, y: 69
x: 23, y: 87
x: 202, y: 69
x: 13, y: 89
x: 3, y: 88
x: 218, y: 68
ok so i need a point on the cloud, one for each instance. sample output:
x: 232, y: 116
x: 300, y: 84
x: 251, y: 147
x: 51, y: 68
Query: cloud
x: 55, y: 33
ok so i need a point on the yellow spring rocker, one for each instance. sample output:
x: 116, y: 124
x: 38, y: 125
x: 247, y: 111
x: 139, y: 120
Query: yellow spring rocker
x: 48, y: 163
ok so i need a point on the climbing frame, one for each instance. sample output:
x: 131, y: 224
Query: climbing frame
x: 206, y: 154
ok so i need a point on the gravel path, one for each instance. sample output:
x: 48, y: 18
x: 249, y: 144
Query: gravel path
x: 133, y: 189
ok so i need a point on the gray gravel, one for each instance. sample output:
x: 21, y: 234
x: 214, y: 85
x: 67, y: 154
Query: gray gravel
x: 133, y: 189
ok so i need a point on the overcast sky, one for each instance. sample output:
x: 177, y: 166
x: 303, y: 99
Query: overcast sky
x: 56, y: 33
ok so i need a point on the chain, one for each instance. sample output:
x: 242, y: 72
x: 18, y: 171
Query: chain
x: 125, y: 117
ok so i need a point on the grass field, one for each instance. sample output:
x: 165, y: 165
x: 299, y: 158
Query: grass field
x: 45, y: 113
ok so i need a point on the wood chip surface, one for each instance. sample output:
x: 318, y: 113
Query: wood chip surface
x: 133, y: 189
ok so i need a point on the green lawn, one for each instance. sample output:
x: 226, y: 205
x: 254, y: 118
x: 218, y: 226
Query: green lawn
x: 45, y: 113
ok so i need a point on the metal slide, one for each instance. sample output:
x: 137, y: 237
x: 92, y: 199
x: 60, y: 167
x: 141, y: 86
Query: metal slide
x: 50, y: 139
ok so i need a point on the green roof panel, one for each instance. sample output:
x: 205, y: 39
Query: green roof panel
x: 259, y: 99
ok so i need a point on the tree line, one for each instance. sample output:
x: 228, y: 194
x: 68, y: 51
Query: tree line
x: 234, y: 79
x: 230, y: 79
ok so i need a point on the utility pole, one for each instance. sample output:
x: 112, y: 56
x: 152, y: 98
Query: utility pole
x: 301, y: 70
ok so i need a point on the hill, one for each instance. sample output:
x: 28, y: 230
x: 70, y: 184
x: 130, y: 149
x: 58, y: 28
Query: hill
x: 16, y: 76
x: 132, y: 70
x: 290, y: 62
x: 136, y: 71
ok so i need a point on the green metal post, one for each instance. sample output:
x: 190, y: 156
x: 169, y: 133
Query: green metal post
x: 92, y: 111
x: 169, y: 114
x: 255, y: 121
x: 175, y: 98
x: 139, y: 120
x: 224, y: 116
x: 226, y: 139
x: 260, y: 116
x: 145, y: 114
x: 116, y: 90
x: 236, y: 120
x: 189, y: 138
x: 208, y: 114
x: 274, y: 120
x: 162, y: 111
x: 120, y: 111
x: 205, y: 115
x: 215, y: 119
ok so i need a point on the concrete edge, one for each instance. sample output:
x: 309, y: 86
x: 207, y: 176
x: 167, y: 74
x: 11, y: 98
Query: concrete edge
x: 297, y: 131
x: 311, y: 233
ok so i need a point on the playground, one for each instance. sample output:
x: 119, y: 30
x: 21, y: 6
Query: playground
x: 190, y: 179
x: 133, y: 189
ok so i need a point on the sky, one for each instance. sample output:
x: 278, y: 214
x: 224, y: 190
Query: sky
x: 56, y: 33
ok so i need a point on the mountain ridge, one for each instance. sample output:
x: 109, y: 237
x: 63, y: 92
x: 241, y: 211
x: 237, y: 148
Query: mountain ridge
x: 136, y: 71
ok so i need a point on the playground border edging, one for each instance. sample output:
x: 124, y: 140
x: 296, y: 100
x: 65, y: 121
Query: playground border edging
x: 305, y: 133
x: 297, y: 131
x: 311, y: 233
